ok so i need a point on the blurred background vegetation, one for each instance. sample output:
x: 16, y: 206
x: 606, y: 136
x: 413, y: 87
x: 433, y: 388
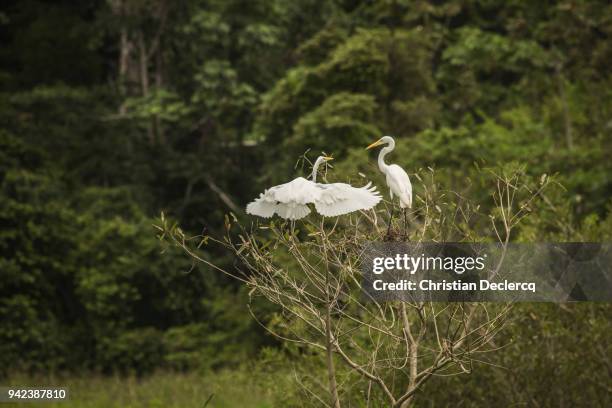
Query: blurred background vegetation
x: 112, y: 111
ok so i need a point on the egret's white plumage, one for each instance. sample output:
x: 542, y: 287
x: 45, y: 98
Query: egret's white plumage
x: 340, y: 198
x: 290, y: 200
x: 399, y: 184
x: 397, y: 178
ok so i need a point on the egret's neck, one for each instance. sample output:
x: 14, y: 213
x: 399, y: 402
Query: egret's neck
x: 381, y: 158
x: 315, y: 169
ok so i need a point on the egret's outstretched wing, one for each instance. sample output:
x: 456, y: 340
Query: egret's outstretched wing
x: 288, y: 200
x: 298, y: 191
x: 340, y: 198
x: 262, y: 206
x: 292, y: 211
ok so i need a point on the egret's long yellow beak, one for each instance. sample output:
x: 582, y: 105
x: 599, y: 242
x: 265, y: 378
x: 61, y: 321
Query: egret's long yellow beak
x: 328, y: 158
x: 376, y: 143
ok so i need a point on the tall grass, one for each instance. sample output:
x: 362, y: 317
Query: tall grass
x: 235, y: 388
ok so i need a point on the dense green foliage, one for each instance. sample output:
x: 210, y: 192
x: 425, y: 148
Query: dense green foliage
x: 112, y: 111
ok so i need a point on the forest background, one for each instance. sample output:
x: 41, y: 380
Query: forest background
x: 114, y: 111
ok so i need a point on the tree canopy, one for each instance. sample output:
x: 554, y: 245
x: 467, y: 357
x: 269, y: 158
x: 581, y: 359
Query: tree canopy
x: 113, y: 111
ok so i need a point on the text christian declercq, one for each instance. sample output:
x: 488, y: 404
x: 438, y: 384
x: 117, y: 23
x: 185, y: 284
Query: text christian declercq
x: 458, y: 265
x: 458, y: 285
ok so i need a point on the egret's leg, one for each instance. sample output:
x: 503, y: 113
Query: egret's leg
x: 390, y: 220
x: 405, y: 223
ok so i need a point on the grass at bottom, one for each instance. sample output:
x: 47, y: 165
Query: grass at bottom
x: 162, y: 389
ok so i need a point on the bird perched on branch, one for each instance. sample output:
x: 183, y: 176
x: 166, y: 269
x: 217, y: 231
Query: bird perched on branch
x: 290, y: 200
x: 397, y: 178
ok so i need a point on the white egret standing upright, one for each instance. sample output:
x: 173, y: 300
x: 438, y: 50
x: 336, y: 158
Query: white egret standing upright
x: 397, y: 178
x: 290, y: 200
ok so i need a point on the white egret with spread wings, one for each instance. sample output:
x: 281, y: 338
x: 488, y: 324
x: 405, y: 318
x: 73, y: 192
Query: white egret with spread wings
x: 397, y: 178
x: 290, y: 200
